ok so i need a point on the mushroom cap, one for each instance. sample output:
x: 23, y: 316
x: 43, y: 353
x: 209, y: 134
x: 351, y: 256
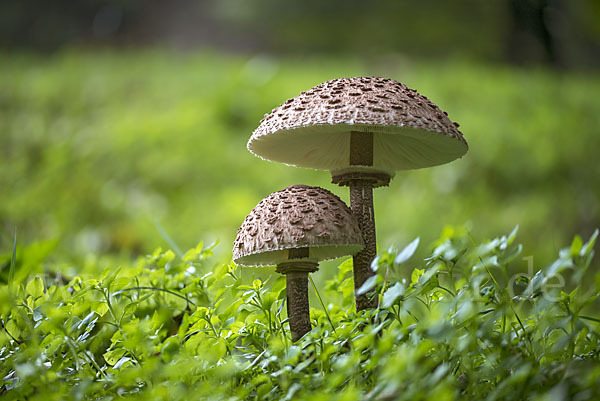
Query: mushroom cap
x: 313, y: 129
x: 298, y: 216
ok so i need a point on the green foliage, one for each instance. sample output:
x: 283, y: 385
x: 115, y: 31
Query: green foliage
x: 461, y: 327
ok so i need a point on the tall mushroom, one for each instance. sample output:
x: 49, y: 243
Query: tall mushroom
x: 363, y: 130
x: 294, y: 229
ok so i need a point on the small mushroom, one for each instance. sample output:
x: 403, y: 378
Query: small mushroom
x: 297, y: 243
x: 378, y: 126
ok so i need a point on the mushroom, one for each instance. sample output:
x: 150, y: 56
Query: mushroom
x: 294, y: 229
x: 362, y: 130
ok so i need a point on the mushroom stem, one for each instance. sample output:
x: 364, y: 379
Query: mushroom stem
x: 297, y: 303
x: 296, y: 271
x: 361, y: 203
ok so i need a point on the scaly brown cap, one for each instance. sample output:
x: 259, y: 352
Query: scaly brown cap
x: 298, y: 216
x: 313, y: 129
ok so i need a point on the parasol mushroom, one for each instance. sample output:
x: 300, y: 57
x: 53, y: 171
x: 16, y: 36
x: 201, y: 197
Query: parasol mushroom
x: 362, y: 130
x: 295, y: 229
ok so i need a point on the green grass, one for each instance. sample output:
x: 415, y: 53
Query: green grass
x: 169, y: 328
x: 99, y: 147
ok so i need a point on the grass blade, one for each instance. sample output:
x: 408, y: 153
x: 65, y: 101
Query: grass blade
x: 11, y: 272
x: 321, y: 301
x: 163, y: 233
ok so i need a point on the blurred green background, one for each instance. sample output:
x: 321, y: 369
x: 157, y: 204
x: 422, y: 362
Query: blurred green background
x: 119, y: 120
